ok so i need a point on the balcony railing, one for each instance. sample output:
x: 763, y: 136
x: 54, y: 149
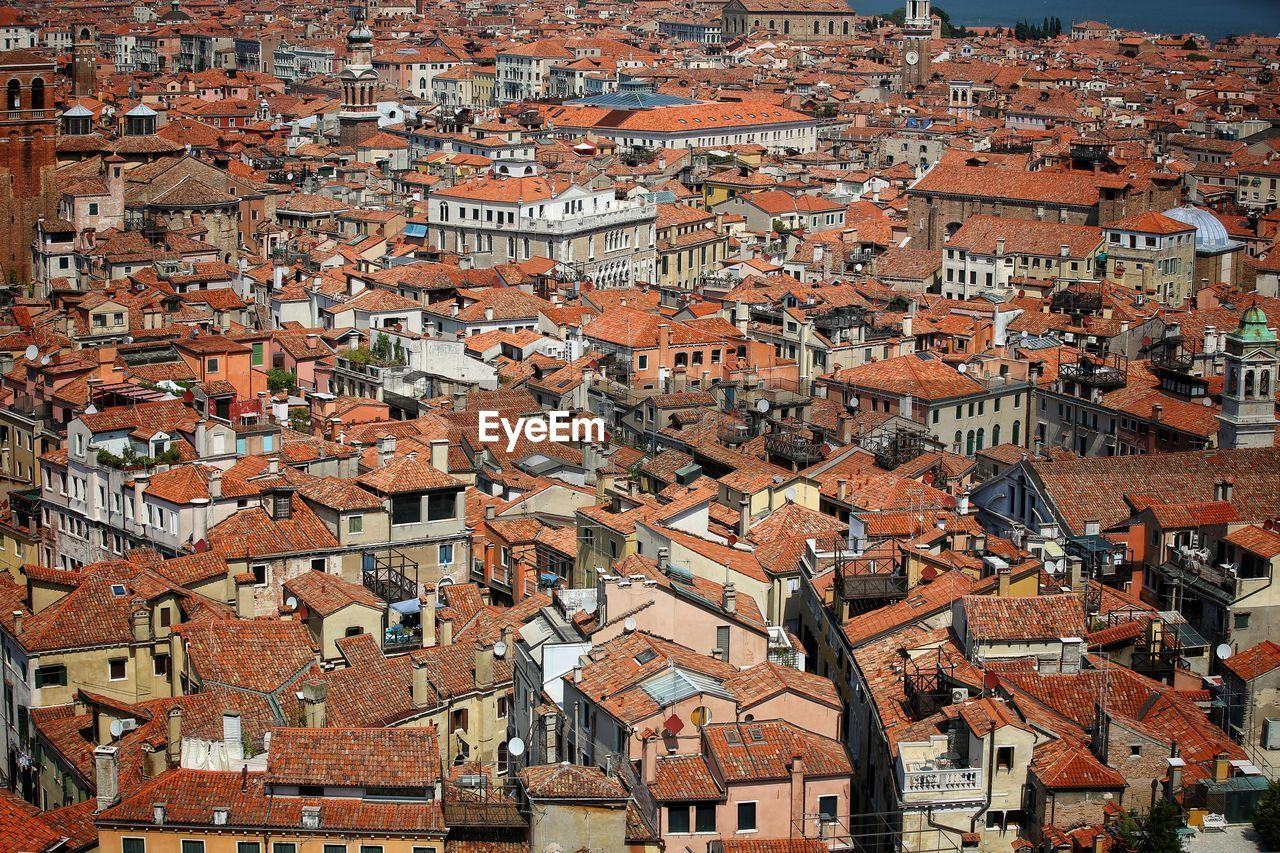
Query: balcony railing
x: 941, y: 780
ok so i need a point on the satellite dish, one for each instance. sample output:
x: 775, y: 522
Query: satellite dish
x: 1207, y: 402
x: 91, y: 409
x: 962, y: 368
x: 32, y: 352
x: 629, y: 625
x: 46, y: 358
x: 853, y: 402
x: 128, y: 339
x: 291, y: 602
x: 515, y: 746
x: 762, y: 405
x: 857, y: 267
x: 499, y: 649
x: 117, y: 728
x: 1223, y: 651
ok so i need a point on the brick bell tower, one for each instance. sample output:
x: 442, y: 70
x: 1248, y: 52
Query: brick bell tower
x: 917, y: 37
x: 28, y: 126
x: 358, y: 118
x: 84, y: 60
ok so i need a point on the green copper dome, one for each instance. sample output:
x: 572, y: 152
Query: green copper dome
x: 1253, y: 326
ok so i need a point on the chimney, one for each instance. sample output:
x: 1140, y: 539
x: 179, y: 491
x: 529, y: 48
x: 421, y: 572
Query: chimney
x: 428, y: 619
x: 744, y: 517
x: 422, y: 692
x: 577, y: 674
x: 488, y: 312
x: 273, y: 465
x: 1003, y: 576
x: 797, y: 790
x: 459, y: 401
x: 842, y: 487
x: 314, y: 693
x: 649, y: 760
x: 962, y: 504
x: 1075, y: 574
x: 999, y: 247
x: 730, y: 601
x: 141, y: 622
x: 1174, y: 784
x: 386, y: 450
x: 106, y: 776
x: 440, y: 454
x: 174, y: 736
x: 1210, y: 340
x: 1221, y: 767
x: 200, y: 517
x: 202, y: 443
x: 215, y: 483
x: 244, y: 595
x: 664, y: 560
x: 1156, y: 409
x: 444, y: 631
x: 18, y: 618
x: 484, y: 666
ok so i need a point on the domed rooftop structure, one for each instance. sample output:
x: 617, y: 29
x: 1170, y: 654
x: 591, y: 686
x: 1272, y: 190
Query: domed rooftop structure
x: 1211, y: 234
x: 360, y: 34
x: 1253, y: 326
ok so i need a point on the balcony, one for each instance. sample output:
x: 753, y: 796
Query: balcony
x: 793, y: 448
x: 1104, y: 374
x: 929, y: 778
x: 592, y: 222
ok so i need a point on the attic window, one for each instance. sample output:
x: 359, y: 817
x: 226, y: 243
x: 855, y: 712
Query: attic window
x: 646, y: 656
x: 757, y: 734
x: 118, y: 589
x: 731, y: 736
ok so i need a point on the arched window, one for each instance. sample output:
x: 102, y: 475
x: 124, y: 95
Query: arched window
x: 981, y: 437
x: 831, y: 28
x: 968, y: 443
x: 504, y: 758
x: 1231, y: 382
x: 995, y: 435
x: 422, y: 82
x: 845, y: 27
x: 682, y: 359
x: 1248, y: 383
x: 786, y: 26
x: 1017, y: 432
x: 37, y: 94
x: 959, y: 440
x: 1264, y: 384
x: 444, y: 212
x: 13, y: 96
x: 816, y: 28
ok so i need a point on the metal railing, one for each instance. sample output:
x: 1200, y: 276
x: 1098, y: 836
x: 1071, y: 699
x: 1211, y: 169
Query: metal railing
x: 933, y: 780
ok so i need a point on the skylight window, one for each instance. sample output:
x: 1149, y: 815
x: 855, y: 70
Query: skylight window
x: 646, y: 656
x: 118, y: 589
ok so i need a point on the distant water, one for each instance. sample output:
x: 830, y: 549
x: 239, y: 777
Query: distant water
x: 1213, y: 18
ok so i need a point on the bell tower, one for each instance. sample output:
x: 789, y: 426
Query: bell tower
x: 28, y: 128
x: 1248, y: 417
x: 83, y: 60
x: 917, y: 36
x: 358, y: 118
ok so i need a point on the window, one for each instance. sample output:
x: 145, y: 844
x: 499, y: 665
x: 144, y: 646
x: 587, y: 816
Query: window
x: 442, y: 507
x: 211, y: 365
x: 248, y: 847
x: 445, y: 554
x: 51, y: 676
x: 642, y: 362
x: 160, y: 666
x: 406, y: 509
x: 329, y: 848
x: 133, y: 845
x: 355, y: 524
x: 259, y: 575
x: 370, y: 848
x: 827, y: 807
x: 678, y: 820
x: 1241, y: 620
x: 117, y: 669
x: 93, y: 208
x: 193, y: 846
x: 722, y: 640
x: 284, y: 847
x: 1135, y: 750
x: 1004, y: 758
x: 257, y: 355
x: 746, y: 817
x: 319, y: 564
x: 166, y: 617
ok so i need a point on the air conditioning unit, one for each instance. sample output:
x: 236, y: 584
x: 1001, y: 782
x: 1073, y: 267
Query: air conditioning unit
x: 959, y: 694
x: 128, y: 724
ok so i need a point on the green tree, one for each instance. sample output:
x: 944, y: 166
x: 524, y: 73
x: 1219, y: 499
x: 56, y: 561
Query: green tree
x: 1128, y: 837
x: 1160, y: 829
x: 1266, y: 817
x: 382, y: 347
x: 279, y: 379
x: 300, y: 420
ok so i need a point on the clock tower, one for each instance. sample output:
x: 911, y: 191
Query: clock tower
x: 917, y: 33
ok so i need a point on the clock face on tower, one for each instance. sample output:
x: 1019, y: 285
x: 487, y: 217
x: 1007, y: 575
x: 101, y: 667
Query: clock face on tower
x: 912, y: 57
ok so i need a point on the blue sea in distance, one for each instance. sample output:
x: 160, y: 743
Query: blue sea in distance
x: 1212, y: 18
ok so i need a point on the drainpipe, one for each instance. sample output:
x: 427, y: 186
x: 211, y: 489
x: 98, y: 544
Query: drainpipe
x: 991, y: 779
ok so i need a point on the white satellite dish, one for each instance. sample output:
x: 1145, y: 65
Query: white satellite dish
x: 32, y: 352
x: 117, y: 728
x: 1223, y: 651
x: 629, y: 625
x: 516, y: 746
x: 499, y: 649
x: 857, y: 267
x: 963, y: 368
x: 762, y: 405
x: 853, y: 402
x: 291, y: 602
x: 46, y: 358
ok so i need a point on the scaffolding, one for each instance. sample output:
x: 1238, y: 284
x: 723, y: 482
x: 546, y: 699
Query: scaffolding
x: 897, y: 446
x: 390, y: 575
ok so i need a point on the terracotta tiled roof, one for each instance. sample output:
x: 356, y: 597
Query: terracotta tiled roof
x: 326, y: 594
x: 762, y: 751
x: 995, y: 618
x: 384, y: 758
x: 767, y: 680
x: 260, y: 655
x: 1255, y: 661
x: 405, y: 475
x: 570, y: 782
x: 22, y: 827
x: 684, y: 777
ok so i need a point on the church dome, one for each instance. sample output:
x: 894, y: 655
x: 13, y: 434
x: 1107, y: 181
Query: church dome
x: 1211, y: 234
x: 1253, y: 326
x: 360, y: 35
